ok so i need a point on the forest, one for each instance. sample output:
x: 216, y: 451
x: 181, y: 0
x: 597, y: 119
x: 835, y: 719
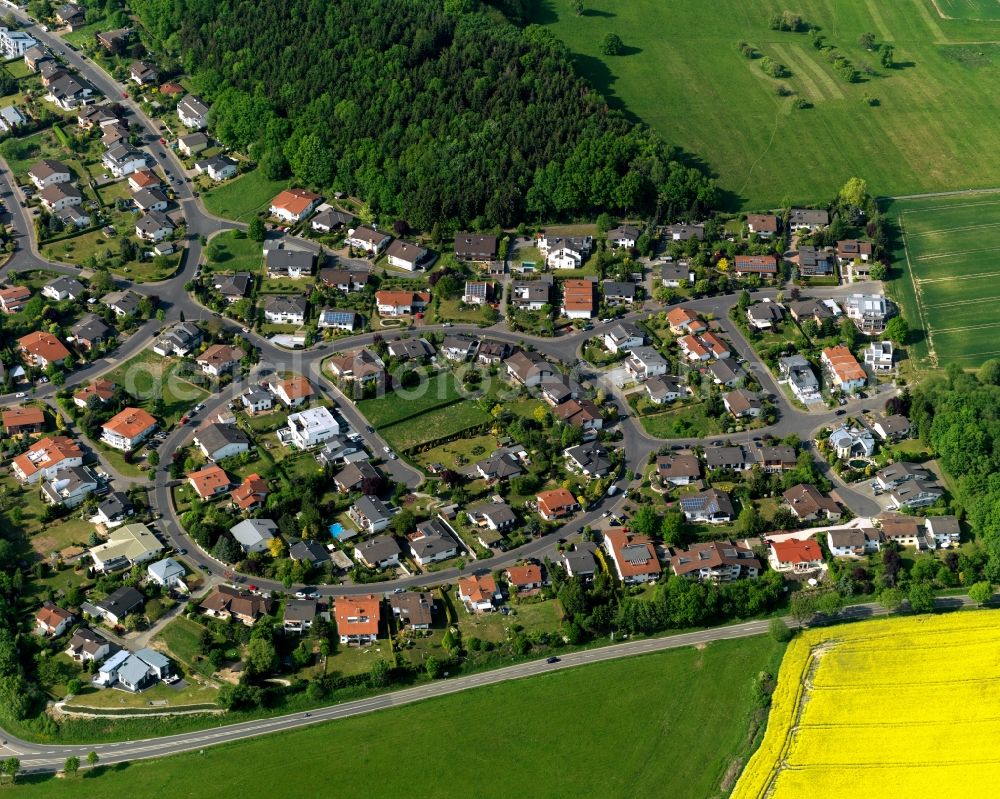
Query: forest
x: 430, y: 112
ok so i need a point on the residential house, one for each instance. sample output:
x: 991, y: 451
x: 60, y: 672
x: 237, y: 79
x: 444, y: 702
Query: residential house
x: 244, y: 606
x: 816, y: 310
x: 60, y: 196
x: 127, y: 429
x: 492, y: 518
x: 624, y: 236
x: 193, y: 113
x: 142, y: 73
x: 712, y: 506
x: 623, y: 336
x: 498, y: 466
x: 23, y: 420
x: 47, y: 173
x: 251, y: 494
x: 328, y: 219
x: 123, y: 303
x: 114, y: 510
x: 795, y: 556
x: 65, y: 90
x: 590, y: 459
x: 774, y: 458
x: 852, y: 442
x: 86, y: 646
x: 479, y: 593
x: 475, y: 246
x: 125, y: 546
x: 458, y: 348
x: 678, y: 469
x: 193, y: 143
x: 556, y: 503
x: 798, y: 373
x: 300, y: 614
x: 715, y: 562
x: 579, y: 299
x: 218, y: 168
x: 946, y: 530
x: 892, y: 428
x: 582, y: 244
x: 850, y: 542
x: 664, y: 389
x: 311, y: 427
x: 493, y: 353
x: 285, y: 309
x: 254, y: 535
x: 13, y: 298
x: 311, y: 552
x: 361, y: 365
x: 809, y: 505
x: 645, y: 362
x: 531, y: 295
x: 101, y: 390
x: 148, y: 200
x: 209, y: 481
x: 906, y: 531
x: 915, y: 494
x: 120, y: 604
x: 580, y: 413
x: 35, y: 56
x: 726, y: 372
x: 557, y: 390
x: 525, y: 580
x: 683, y: 320
x: 256, y: 400
x: 144, y: 179
x: 414, y: 608
x: 379, y: 552
x: 743, y: 404
x: 580, y: 562
x: 63, y: 288
x: 294, y: 391
x: 369, y: 239
x: 633, y: 556
x: 70, y: 487
x: 764, y: 315
x: 52, y: 620
x: 405, y: 255
x: 114, y: 41
x: 122, y: 160
x: 898, y: 473
x: 674, y: 275
x: 727, y: 458
x: 410, y: 349
x: 618, y: 293
x: 219, y: 359
x: 345, y: 280
x: 807, y: 219
x: 357, y: 477
x: 850, y: 251
x: 41, y: 348
x: 219, y: 441
x: 868, y: 312
x: 358, y: 618
x: 763, y: 225
x: 294, y: 205
x: 845, y: 371
x: 528, y: 368
x: 46, y: 458
x: 401, y: 303
x: 879, y: 356
x: 167, y: 573
x: 332, y: 319
x: 815, y: 262
x: 282, y: 262
x: 235, y: 287
x: 765, y: 266
x: 154, y: 226
x: 433, y: 541
x: 564, y: 258
x: 370, y: 514
x: 717, y: 348
x: 179, y: 340
x: 477, y: 292
x: 682, y: 232
x: 70, y: 15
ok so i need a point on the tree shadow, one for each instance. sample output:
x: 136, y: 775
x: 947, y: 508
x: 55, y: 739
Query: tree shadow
x: 901, y: 65
x: 594, y: 12
x: 628, y: 50
x: 543, y: 13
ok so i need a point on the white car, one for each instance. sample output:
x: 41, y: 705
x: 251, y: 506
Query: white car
x: 386, y: 450
x: 20, y: 395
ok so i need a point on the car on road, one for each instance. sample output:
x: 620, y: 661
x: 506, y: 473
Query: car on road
x: 162, y: 140
x: 20, y: 395
x: 199, y: 407
x: 305, y: 593
x: 552, y: 659
x: 245, y: 330
x: 446, y: 324
x: 392, y: 456
x: 840, y: 412
x: 182, y: 551
x: 386, y: 450
x: 369, y: 428
x: 125, y: 95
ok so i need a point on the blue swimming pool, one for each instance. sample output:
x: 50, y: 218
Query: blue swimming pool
x: 336, y: 529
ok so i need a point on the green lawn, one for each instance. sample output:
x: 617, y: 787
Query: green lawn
x: 148, y: 375
x: 85, y: 35
x: 439, y: 390
x: 944, y: 276
x: 434, y: 424
x: 243, y: 196
x: 536, y: 616
x: 181, y: 638
x: 671, y: 724
x: 236, y: 253
x: 688, y: 420
x: 457, y: 454
x: 453, y: 311
x: 156, y: 697
x: 682, y: 73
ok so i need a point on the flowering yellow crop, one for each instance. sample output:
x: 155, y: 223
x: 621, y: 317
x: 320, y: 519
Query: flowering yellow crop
x: 896, y: 708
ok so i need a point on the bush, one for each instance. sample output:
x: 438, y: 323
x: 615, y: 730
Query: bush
x: 773, y: 68
x: 747, y: 50
x: 779, y: 630
x: 802, y: 103
x: 612, y: 44
x: 784, y: 91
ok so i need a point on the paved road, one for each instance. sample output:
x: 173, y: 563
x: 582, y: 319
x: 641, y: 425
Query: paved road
x: 37, y: 757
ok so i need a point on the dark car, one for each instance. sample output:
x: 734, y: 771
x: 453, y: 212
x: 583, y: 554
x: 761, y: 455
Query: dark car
x: 552, y: 659
x: 840, y: 412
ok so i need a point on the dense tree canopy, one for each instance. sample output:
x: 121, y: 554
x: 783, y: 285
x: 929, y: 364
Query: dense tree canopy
x: 429, y: 111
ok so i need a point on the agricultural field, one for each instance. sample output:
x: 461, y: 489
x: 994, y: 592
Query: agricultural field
x: 684, y: 743
x: 902, y: 707
x: 931, y: 129
x: 948, y: 253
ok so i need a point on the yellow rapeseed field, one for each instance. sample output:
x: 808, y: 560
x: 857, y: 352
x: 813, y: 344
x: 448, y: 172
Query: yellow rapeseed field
x: 900, y: 708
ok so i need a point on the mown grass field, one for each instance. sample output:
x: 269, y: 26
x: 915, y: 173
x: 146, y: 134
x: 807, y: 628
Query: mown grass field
x: 947, y: 264
x: 243, y: 196
x: 434, y: 424
x: 148, y: 376
x: 934, y: 128
x: 901, y: 707
x: 667, y: 724
x: 403, y: 403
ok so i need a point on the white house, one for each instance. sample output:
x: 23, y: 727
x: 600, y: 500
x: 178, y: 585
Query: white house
x: 121, y: 160
x: 285, y: 310
x: 311, y: 427
x: 154, y: 226
x: 126, y: 430
x: 645, y: 362
x: 167, y: 573
x: 879, y: 356
x: 623, y: 336
x: 193, y: 113
x: 564, y: 258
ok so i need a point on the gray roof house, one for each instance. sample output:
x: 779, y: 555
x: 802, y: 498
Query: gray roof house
x: 379, y: 552
x: 433, y: 541
x: 253, y: 534
x: 167, y: 572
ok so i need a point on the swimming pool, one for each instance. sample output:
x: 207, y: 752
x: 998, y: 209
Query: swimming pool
x: 336, y: 529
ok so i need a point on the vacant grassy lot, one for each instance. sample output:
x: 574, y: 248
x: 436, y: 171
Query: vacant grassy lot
x: 681, y: 422
x: 554, y: 736
x: 434, y: 424
x: 850, y: 740
x: 947, y: 263
x: 243, y: 196
x: 235, y: 253
x: 682, y: 73
x: 441, y: 389
x: 148, y: 376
